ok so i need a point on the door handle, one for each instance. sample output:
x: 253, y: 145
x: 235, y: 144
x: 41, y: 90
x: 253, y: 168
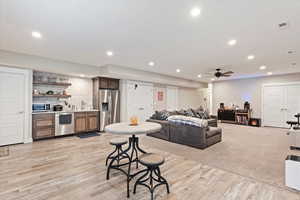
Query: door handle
x: 21, y: 112
x: 141, y: 108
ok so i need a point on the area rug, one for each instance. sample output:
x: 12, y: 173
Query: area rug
x: 87, y: 135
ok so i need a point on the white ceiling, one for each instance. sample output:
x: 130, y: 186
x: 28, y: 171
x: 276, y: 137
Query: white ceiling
x: 139, y: 31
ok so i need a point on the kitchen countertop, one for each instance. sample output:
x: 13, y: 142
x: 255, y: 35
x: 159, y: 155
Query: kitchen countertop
x: 49, y: 112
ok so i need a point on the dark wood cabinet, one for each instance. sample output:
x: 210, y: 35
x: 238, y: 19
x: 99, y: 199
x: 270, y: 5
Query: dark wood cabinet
x: 107, y: 83
x: 86, y: 121
x: 80, y: 122
x: 92, y: 121
x: 43, y: 126
x: 113, y: 84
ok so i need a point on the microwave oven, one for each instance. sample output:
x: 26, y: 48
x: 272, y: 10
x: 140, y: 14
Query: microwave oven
x: 40, y: 107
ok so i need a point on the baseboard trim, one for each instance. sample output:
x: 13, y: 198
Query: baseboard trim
x: 28, y: 140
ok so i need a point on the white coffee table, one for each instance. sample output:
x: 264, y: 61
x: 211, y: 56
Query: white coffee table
x: 125, y: 129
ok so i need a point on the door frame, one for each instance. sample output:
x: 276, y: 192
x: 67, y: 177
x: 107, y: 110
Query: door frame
x: 27, y: 132
x: 262, y: 95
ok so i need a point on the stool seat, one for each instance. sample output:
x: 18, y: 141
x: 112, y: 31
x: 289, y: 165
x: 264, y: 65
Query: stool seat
x: 151, y: 159
x: 118, y: 141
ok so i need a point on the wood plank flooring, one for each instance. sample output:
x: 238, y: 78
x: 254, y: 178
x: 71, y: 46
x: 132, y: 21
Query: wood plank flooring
x: 4, y: 151
x: 71, y: 169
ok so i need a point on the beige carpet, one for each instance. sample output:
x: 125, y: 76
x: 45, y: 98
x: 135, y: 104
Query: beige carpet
x: 257, y: 153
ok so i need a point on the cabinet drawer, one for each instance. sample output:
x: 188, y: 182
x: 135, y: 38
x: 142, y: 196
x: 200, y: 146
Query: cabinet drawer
x: 80, y: 114
x: 43, y: 133
x: 92, y: 114
x: 44, y: 123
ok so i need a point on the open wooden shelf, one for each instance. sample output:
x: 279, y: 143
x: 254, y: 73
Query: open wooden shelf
x: 55, y: 84
x: 53, y: 95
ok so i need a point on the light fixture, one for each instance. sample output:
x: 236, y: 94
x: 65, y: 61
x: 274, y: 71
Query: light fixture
x: 195, y: 12
x: 199, y: 75
x: 213, y: 79
x: 177, y: 70
x: 251, y: 57
x: 263, y: 67
x: 231, y: 42
x: 36, y: 34
x: 151, y: 63
x: 269, y: 73
x: 109, y: 53
x: 82, y: 75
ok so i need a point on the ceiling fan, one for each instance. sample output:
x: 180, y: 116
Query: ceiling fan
x: 219, y: 73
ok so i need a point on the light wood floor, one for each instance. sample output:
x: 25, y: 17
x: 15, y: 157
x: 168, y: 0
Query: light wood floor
x: 71, y: 168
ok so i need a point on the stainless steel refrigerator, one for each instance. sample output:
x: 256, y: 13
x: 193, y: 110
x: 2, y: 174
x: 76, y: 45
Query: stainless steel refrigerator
x: 109, y: 106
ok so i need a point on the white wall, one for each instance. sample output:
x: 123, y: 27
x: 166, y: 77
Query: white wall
x: 46, y: 64
x: 189, y: 98
x: 239, y: 91
x: 62, y: 67
x: 81, y: 90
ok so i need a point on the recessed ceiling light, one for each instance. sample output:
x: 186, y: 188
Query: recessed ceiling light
x: 263, y: 67
x: 213, y: 79
x: 231, y: 42
x: 199, y: 75
x: 82, y: 75
x: 151, y: 63
x: 269, y: 73
x: 36, y: 34
x: 177, y: 70
x: 251, y: 57
x: 195, y: 12
x: 109, y: 53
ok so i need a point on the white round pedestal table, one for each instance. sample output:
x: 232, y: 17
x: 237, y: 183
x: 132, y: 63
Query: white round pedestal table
x: 133, y: 130
x: 123, y: 129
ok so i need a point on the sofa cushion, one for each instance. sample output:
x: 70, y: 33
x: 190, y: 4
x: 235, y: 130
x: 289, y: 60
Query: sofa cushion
x: 160, y: 115
x: 193, y: 121
x: 213, y: 131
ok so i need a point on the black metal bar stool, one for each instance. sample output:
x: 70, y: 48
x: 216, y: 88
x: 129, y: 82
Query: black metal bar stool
x: 152, y: 177
x: 117, y: 155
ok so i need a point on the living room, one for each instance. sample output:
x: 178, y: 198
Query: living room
x: 128, y: 101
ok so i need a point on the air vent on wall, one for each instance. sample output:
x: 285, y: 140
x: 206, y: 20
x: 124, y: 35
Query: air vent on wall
x: 283, y: 25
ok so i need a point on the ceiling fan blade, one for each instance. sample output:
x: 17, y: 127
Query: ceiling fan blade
x: 229, y: 72
x: 225, y: 75
x: 207, y: 75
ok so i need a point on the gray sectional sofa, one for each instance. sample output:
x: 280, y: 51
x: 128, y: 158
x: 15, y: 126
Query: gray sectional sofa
x: 198, y: 137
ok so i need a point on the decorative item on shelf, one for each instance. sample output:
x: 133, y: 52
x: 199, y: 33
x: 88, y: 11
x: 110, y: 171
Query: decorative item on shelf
x: 63, y: 80
x: 133, y: 121
x: 50, y: 92
x: 44, y: 78
x: 65, y: 92
x: 52, y: 79
x: 35, y: 92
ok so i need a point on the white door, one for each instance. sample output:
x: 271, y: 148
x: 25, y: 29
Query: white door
x: 293, y: 101
x: 172, y: 97
x: 273, y: 106
x: 139, y: 100
x: 12, y: 107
